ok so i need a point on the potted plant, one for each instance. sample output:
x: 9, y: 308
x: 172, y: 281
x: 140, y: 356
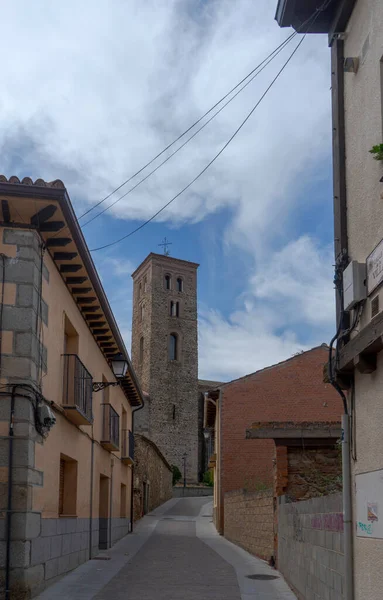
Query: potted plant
x: 377, y: 151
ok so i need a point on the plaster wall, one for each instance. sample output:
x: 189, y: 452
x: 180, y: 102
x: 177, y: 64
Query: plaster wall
x: 364, y: 128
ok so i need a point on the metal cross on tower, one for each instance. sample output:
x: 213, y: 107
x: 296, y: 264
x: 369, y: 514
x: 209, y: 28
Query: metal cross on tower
x: 165, y: 245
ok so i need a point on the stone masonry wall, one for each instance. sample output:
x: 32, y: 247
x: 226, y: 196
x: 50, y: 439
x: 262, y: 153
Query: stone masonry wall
x: 313, y: 472
x: 151, y: 468
x: 249, y: 521
x: 23, y: 362
x: 310, y: 547
x: 171, y: 417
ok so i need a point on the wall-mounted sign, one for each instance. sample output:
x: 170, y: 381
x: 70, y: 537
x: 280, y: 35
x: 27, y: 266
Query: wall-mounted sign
x: 375, y: 268
x: 369, y: 491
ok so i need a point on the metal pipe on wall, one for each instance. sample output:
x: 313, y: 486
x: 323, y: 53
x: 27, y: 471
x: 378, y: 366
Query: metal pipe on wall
x: 91, y: 497
x: 347, y: 509
x: 9, y: 500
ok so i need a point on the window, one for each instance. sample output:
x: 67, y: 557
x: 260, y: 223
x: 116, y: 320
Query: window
x: 142, y: 312
x: 67, y: 486
x: 173, y: 347
x: 140, y: 290
x: 145, y: 284
x: 180, y: 284
x: 168, y: 282
x: 174, y: 309
x: 123, y: 501
x: 141, y: 350
x: 174, y: 412
x: 70, y: 337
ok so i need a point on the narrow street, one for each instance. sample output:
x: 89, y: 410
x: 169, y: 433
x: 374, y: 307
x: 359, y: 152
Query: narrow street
x: 173, y: 554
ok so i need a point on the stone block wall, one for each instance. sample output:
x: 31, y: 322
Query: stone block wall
x: 152, y: 471
x: 310, y: 547
x: 171, y: 418
x: 249, y: 521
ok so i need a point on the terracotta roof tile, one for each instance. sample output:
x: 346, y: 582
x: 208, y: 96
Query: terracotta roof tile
x: 57, y: 183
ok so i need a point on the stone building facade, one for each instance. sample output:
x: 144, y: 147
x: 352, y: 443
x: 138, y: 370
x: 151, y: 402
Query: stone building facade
x: 165, y: 356
x: 153, y: 477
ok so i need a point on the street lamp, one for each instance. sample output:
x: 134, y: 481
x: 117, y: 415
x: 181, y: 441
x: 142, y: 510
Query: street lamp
x: 119, y: 367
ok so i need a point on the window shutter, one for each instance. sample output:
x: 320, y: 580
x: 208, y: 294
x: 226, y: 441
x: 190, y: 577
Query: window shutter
x: 61, y: 493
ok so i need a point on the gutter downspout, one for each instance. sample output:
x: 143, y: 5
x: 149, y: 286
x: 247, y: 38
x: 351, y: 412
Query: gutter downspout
x: 91, y: 497
x: 9, y: 502
x: 341, y: 252
x: 219, y: 494
x: 132, y: 470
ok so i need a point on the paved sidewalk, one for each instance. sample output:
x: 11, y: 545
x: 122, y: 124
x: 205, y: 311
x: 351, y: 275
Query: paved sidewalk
x: 174, y: 554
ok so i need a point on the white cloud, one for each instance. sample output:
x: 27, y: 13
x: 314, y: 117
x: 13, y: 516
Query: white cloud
x: 97, y: 88
x: 290, y: 299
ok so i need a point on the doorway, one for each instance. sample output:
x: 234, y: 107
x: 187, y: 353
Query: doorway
x: 103, y: 513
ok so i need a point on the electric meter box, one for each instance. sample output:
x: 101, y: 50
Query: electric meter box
x: 354, y: 284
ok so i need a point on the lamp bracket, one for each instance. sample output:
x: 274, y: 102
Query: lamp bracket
x: 97, y: 386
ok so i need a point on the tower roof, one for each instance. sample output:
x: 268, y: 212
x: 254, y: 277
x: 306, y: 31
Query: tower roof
x: 169, y: 260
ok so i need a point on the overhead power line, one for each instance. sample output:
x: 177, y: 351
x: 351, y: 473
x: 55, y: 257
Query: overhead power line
x: 272, y: 56
x: 211, y: 161
x: 286, y: 41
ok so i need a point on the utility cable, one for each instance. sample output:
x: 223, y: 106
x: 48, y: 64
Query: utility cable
x: 192, y: 136
x: 210, y: 163
x: 286, y: 41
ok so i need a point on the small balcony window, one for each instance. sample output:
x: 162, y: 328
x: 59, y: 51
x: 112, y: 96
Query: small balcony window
x: 127, y: 447
x: 110, y: 438
x: 77, y: 391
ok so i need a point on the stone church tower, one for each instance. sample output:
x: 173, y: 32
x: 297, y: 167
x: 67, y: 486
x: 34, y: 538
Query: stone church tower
x: 165, y: 356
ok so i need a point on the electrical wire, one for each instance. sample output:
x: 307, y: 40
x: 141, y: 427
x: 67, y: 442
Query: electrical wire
x: 281, y: 46
x: 210, y: 162
x: 191, y: 137
x: 268, y: 58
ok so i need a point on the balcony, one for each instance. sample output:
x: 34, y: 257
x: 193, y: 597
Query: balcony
x: 127, y: 447
x: 77, y: 391
x: 110, y: 439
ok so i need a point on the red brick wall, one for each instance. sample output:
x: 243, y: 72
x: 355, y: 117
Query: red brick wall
x: 290, y: 391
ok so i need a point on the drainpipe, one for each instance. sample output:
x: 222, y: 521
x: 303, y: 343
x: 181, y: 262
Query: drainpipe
x: 9, y: 502
x: 91, y: 497
x: 219, y: 494
x: 347, y: 509
x: 341, y: 249
x: 111, y: 503
x: 132, y: 470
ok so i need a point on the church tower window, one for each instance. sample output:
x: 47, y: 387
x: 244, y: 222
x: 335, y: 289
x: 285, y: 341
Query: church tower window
x: 168, y: 282
x: 173, y: 347
x: 180, y: 284
x: 141, y: 350
x: 174, y: 309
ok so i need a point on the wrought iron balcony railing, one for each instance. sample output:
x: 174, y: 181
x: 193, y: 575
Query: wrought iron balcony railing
x: 110, y: 428
x: 77, y: 391
x: 127, y: 447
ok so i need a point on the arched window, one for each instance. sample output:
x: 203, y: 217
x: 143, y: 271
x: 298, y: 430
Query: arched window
x: 174, y: 309
x: 140, y: 290
x: 145, y: 284
x: 173, y: 347
x: 168, y: 282
x: 142, y: 312
x: 141, y: 350
x: 180, y: 284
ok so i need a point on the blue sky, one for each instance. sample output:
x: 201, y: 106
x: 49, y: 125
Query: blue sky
x: 93, y: 90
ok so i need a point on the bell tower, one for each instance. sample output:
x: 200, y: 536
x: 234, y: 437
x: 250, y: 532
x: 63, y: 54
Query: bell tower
x: 165, y: 356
